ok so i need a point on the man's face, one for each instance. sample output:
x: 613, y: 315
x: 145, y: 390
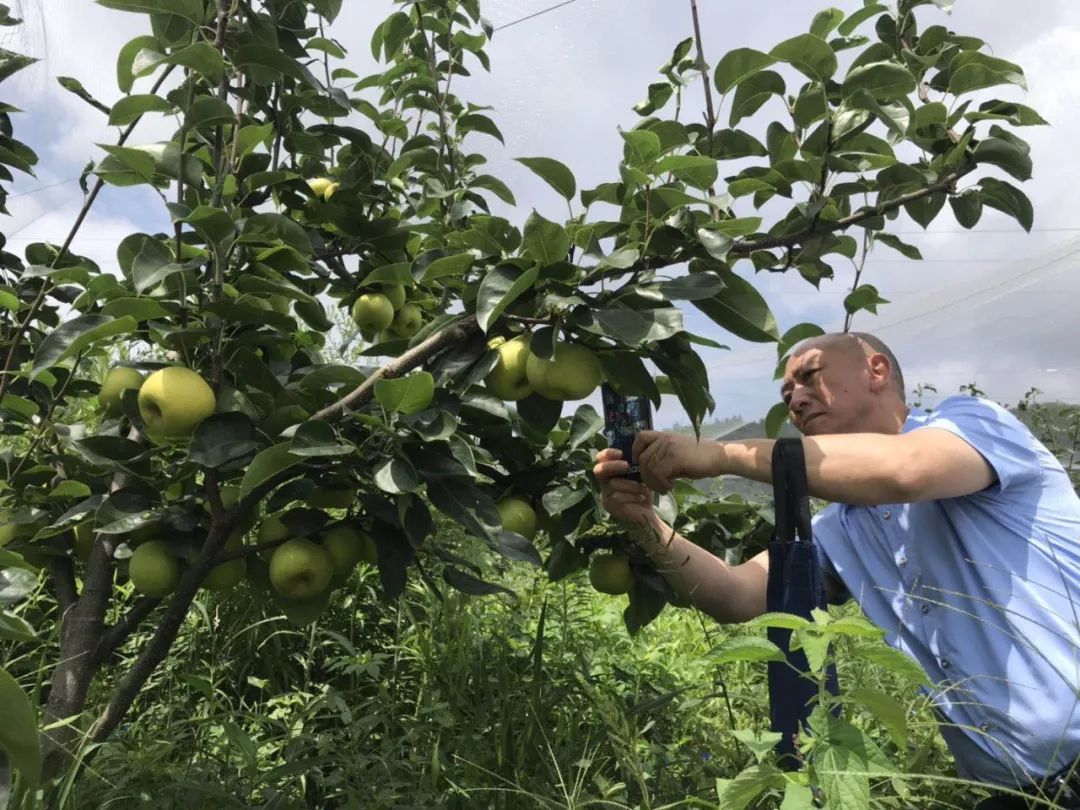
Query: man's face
x: 826, y: 389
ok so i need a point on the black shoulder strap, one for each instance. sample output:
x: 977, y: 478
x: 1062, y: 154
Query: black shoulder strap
x: 791, y: 496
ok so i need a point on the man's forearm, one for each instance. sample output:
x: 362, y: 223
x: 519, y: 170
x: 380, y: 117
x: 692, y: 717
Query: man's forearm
x: 853, y: 468
x: 728, y: 594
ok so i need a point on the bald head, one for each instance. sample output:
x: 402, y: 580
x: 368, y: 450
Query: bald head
x: 860, y: 344
x: 844, y: 383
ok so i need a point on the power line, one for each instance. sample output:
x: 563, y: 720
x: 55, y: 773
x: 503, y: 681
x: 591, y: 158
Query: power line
x: 535, y: 15
x: 42, y: 188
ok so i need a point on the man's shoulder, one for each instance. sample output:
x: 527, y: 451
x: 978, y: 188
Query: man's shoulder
x: 963, y: 407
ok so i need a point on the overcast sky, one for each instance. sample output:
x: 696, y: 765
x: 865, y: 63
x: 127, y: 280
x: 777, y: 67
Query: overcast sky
x: 995, y: 306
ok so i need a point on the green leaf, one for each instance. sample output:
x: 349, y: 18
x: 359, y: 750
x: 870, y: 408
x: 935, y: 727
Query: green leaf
x: 466, y: 504
x: 843, y: 776
x: 467, y: 583
x: 967, y: 208
x: 396, y: 476
x: 775, y: 419
x: 1008, y: 199
x: 267, y: 464
x: 825, y: 21
x: 750, y: 783
x: 692, y: 286
x: 739, y: 65
x: 475, y: 122
x: 11, y: 63
x: 865, y: 296
x: 857, y: 18
x: 192, y: 10
x: 223, y: 438
x: 202, y: 58
x: 641, y: 148
x: 152, y: 265
x: 809, y: 54
x: 892, y: 660
x: 885, y: 81
x: 18, y: 730
x: 760, y: 743
x: 75, y: 87
x: 545, y: 241
x: 276, y: 60
x: 499, y: 289
x: 897, y: 244
x: 326, y: 46
x: 1007, y: 152
x: 741, y: 310
x: 925, y: 209
x: 208, y: 111
x: 129, y: 108
x: 317, y: 439
x: 659, y: 94
x: 1016, y: 114
x: 70, y: 489
x: 971, y: 70
x: 456, y: 266
x: 75, y: 336
x: 633, y: 327
x: 694, y: 170
x: 495, y: 186
x: 408, y: 394
x: 15, y: 628
x: 887, y: 709
x: 752, y: 94
x: 745, y: 648
x: 718, y: 245
x: 125, y: 78
x: 554, y: 173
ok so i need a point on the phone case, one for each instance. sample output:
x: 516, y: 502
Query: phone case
x: 624, y: 418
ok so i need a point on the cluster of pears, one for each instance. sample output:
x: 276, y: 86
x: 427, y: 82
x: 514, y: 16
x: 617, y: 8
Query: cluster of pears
x: 609, y: 572
x: 572, y: 372
x: 172, y: 401
x: 385, y: 313
x: 323, y: 187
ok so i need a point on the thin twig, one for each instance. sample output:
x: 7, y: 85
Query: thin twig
x: 710, y: 114
x: 116, y: 635
x: 16, y: 340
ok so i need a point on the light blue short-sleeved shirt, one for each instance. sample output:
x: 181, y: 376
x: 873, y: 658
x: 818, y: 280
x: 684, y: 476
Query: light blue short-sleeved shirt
x: 983, y: 591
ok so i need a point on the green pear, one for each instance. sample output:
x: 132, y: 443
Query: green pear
x: 116, y: 382
x: 408, y: 321
x: 226, y: 575
x: 323, y: 187
x: 517, y: 515
x: 344, y: 544
x: 153, y: 570
x: 173, y: 401
x: 373, y: 313
x: 610, y: 573
x: 300, y: 569
x: 508, y: 380
x: 574, y: 372
x: 396, y: 294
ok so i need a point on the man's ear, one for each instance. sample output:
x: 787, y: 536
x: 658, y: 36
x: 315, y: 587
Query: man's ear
x: 880, y: 371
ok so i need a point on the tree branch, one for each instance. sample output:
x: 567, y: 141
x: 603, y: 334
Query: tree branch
x: 946, y: 184
x: 62, y: 579
x: 417, y: 355
x: 116, y: 635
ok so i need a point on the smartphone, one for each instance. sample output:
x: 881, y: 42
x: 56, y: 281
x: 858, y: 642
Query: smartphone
x: 624, y: 418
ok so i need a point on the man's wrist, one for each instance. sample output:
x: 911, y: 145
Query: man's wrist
x: 718, y: 459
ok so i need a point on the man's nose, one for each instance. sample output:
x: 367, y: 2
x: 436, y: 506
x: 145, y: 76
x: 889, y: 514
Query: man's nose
x: 799, y: 399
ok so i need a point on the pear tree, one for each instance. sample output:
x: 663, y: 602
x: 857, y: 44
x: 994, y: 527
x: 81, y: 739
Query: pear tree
x: 345, y: 332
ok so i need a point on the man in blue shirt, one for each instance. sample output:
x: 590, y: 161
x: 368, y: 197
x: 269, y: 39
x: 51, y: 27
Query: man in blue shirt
x: 957, y: 532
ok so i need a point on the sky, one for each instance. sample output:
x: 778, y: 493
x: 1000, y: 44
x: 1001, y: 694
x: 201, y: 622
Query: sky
x: 994, y: 306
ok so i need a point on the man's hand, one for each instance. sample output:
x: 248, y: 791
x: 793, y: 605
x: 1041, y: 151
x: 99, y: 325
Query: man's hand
x: 663, y: 457
x: 627, y: 501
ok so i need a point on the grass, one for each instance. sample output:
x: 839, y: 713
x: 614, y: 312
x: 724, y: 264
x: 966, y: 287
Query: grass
x: 445, y: 700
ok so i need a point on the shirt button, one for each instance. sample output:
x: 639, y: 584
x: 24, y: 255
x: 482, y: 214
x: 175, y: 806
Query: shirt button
x: 925, y: 608
x: 886, y: 514
x: 945, y: 663
x: 985, y: 727
x: 902, y: 560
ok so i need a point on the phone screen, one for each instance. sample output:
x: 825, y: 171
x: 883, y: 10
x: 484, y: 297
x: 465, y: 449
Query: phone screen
x: 624, y: 418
